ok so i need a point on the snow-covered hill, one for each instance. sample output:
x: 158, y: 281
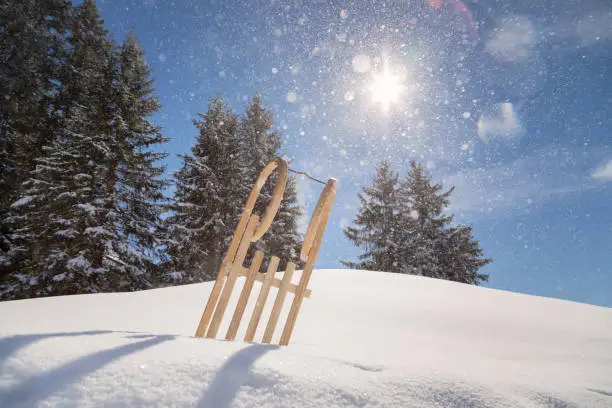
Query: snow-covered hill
x: 363, y: 339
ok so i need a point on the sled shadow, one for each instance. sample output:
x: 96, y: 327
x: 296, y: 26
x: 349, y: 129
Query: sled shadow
x: 234, y: 373
x: 11, y: 345
x: 40, y: 386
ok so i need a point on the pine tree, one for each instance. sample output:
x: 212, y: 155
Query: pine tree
x: 431, y: 247
x: 403, y: 228
x: 32, y: 44
x: 84, y: 79
x: 377, y: 225
x: 87, y: 213
x: 260, y: 144
x: 213, y: 186
x: 136, y: 176
x: 422, y: 222
x: 86, y: 219
x: 207, y: 200
x: 62, y: 210
x: 461, y: 256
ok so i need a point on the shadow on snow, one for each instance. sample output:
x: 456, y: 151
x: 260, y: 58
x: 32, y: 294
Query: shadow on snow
x: 44, y: 384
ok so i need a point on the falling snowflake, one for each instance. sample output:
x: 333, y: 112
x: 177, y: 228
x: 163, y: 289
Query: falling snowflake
x: 291, y: 97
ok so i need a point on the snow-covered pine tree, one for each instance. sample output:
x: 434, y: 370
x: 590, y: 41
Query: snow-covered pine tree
x: 260, y: 144
x: 403, y: 228
x: 422, y: 222
x: 429, y: 246
x: 99, y: 112
x: 461, y: 256
x: 87, y: 78
x: 208, y: 198
x: 62, y: 211
x: 136, y: 176
x: 79, y: 170
x: 32, y: 40
x: 377, y: 224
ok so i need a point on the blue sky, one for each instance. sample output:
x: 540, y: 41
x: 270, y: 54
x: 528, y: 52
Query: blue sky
x: 510, y: 103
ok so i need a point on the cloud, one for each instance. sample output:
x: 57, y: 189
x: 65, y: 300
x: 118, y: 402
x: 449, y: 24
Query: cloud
x: 570, y: 33
x: 500, y: 122
x: 604, y: 172
x: 516, y: 66
x: 514, y: 40
x: 543, y: 176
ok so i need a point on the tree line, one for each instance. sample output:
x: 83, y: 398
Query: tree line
x: 83, y: 207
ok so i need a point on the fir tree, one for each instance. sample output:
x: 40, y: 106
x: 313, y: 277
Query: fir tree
x: 377, y: 225
x: 213, y: 186
x: 136, y: 176
x: 431, y: 246
x: 422, y: 221
x: 461, y: 256
x: 84, y: 82
x: 86, y: 218
x: 207, y: 200
x: 62, y: 210
x: 403, y: 228
x: 87, y: 78
x: 32, y: 44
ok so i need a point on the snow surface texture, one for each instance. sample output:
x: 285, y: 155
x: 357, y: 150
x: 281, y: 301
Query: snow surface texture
x: 363, y: 339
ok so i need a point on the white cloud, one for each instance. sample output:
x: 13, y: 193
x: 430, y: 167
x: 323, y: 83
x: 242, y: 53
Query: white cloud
x: 604, y: 172
x: 500, y: 122
x: 545, y: 175
x: 513, y: 41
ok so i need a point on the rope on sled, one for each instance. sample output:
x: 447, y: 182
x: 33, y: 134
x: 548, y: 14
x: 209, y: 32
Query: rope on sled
x: 303, y: 173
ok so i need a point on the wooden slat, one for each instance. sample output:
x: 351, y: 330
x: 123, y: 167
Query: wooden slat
x: 275, y: 282
x: 231, y: 278
x: 244, y: 296
x: 221, y: 275
x: 278, y: 303
x: 305, y: 278
x: 261, y: 299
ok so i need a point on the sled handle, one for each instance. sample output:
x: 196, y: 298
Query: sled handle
x: 277, y: 195
x: 315, y: 222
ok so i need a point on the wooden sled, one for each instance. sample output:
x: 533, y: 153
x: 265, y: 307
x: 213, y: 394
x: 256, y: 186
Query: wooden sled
x: 250, y: 229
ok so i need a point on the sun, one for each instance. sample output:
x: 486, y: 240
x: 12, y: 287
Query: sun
x: 386, y: 89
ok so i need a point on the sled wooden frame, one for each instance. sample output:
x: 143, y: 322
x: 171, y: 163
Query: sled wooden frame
x: 250, y: 229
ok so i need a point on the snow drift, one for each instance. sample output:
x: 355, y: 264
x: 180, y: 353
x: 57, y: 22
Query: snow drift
x: 362, y: 339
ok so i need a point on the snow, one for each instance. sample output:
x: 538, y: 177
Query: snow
x: 78, y: 263
x: 362, y: 339
x: 59, y: 277
x: 68, y: 233
x: 90, y: 209
x: 22, y: 201
x: 70, y: 194
x: 95, y: 231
